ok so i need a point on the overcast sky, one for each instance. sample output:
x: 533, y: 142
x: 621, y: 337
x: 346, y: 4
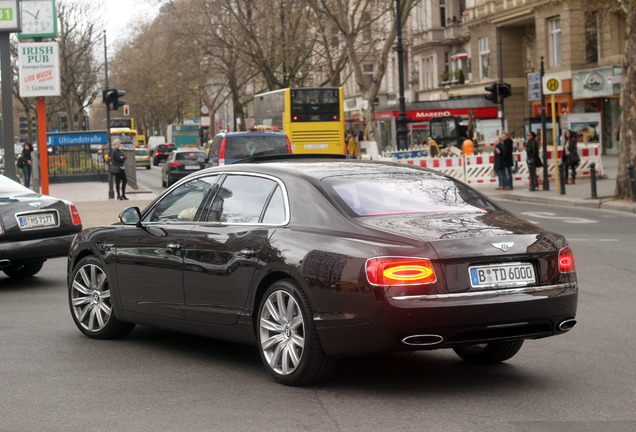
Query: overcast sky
x: 123, y: 15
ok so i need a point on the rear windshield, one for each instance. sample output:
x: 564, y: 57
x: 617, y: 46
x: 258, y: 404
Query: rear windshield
x: 192, y: 156
x: 364, y: 195
x: 239, y: 147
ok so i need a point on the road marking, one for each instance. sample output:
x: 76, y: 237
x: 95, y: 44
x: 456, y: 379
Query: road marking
x: 566, y: 219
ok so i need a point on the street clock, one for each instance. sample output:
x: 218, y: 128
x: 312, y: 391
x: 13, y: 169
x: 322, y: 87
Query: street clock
x: 38, y: 19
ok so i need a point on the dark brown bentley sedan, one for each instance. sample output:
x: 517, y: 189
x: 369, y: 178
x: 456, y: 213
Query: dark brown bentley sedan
x: 316, y: 259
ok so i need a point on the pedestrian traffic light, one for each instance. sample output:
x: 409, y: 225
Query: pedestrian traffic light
x: 504, y: 90
x: 126, y: 110
x: 493, y: 90
x: 111, y: 98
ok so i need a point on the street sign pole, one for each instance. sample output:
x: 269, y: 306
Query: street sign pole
x: 7, y: 106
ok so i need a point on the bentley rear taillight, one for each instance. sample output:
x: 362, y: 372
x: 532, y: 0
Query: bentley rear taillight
x: 400, y: 271
x: 566, y: 260
x: 74, y: 215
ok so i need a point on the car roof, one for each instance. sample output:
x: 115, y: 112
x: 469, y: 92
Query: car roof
x: 320, y: 168
x: 187, y: 150
x: 278, y: 133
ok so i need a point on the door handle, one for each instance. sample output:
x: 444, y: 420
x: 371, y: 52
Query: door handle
x: 174, y: 246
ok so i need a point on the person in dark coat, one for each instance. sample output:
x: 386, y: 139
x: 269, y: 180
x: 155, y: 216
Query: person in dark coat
x: 570, y: 145
x: 27, y: 163
x: 507, y: 159
x: 498, y: 166
x: 118, y: 158
x: 532, y: 158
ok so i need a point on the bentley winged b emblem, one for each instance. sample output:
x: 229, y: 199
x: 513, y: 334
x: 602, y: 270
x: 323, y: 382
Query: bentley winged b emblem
x: 35, y: 204
x: 503, y: 246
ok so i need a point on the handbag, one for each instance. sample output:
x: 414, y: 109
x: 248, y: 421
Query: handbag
x: 113, y: 169
x: 20, y: 162
x: 574, y: 158
x: 538, y: 162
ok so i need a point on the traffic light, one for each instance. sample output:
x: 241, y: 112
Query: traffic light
x: 493, y: 89
x: 504, y: 90
x: 111, y: 98
x: 126, y: 110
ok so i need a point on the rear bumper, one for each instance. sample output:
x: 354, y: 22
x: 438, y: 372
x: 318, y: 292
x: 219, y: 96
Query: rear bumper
x: 446, y: 321
x: 36, y: 249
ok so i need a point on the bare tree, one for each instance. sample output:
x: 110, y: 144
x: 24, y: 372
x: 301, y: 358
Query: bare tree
x: 627, y: 147
x: 368, y: 29
x: 78, y: 38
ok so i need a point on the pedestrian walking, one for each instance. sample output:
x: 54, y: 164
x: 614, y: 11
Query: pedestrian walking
x: 117, y: 159
x: 533, y: 160
x: 570, y: 156
x: 498, y: 166
x: 507, y: 159
x: 24, y: 162
x: 352, y: 146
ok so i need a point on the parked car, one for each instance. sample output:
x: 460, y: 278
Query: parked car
x: 312, y: 260
x: 228, y: 147
x: 161, y: 153
x: 181, y: 163
x: 33, y: 228
x: 142, y: 158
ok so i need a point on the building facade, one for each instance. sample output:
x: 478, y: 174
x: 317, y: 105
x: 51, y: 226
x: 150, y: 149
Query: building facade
x: 455, y: 48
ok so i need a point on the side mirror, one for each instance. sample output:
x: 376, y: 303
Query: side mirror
x: 130, y: 216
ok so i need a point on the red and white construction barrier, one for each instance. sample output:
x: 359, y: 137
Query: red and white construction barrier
x: 478, y: 169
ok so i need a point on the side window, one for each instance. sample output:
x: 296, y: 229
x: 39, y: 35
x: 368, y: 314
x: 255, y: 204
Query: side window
x: 183, y: 203
x: 275, y: 212
x: 241, y: 199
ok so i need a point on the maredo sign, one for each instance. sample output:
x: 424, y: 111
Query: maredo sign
x: 39, y: 69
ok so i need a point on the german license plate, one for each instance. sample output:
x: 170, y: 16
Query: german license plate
x: 39, y: 220
x: 192, y: 167
x: 501, y: 275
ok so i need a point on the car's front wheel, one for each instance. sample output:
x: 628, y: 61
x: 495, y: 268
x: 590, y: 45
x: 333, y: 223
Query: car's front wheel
x: 90, y: 301
x: 287, y: 340
x: 23, y: 270
x: 489, y: 353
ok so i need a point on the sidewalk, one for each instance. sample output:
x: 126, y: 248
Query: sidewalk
x: 95, y: 208
x: 576, y: 195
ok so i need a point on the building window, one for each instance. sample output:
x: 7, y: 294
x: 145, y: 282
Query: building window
x: 367, y: 70
x: 442, y: 12
x: 484, y: 58
x: 591, y: 37
x: 554, y: 41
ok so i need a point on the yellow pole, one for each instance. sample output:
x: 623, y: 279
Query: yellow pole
x: 555, y: 152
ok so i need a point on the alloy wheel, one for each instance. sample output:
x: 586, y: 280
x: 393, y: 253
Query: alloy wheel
x: 90, y: 298
x: 282, y: 332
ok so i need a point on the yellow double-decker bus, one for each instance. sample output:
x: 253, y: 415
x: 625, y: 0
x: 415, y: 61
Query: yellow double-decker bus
x: 312, y: 117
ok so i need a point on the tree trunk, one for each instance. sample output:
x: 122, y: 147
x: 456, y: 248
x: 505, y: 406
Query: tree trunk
x: 627, y: 146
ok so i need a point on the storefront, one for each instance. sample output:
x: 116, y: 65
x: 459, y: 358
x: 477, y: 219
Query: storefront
x: 419, y: 114
x: 597, y: 91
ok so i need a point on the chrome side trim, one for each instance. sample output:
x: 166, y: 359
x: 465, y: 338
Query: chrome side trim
x: 560, y: 288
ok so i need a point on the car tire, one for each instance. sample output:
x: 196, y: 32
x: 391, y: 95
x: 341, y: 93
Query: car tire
x: 287, y: 339
x: 489, y: 353
x: 155, y: 162
x: 148, y: 167
x: 90, y: 301
x: 24, y: 270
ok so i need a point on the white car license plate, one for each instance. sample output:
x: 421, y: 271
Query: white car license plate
x: 40, y: 220
x: 501, y: 275
x: 192, y: 167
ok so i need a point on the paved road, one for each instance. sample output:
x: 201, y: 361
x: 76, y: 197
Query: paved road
x: 55, y: 379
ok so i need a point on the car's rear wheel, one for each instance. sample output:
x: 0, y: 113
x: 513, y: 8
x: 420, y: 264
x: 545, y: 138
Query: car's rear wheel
x: 90, y: 301
x: 287, y: 340
x: 489, y: 353
x: 23, y: 270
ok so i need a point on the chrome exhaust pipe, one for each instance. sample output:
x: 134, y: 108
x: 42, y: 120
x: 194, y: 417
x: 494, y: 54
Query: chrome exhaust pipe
x: 4, y: 263
x: 422, y: 340
x: 567, y: 324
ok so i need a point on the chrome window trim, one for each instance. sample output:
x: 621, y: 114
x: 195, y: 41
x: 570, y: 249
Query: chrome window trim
x: 559, y: 289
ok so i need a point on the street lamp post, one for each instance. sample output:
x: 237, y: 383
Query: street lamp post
x: 402, y: 130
